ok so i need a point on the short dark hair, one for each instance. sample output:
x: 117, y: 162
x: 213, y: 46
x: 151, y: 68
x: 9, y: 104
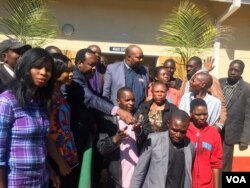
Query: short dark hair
x: 121, y: 90
x: 159, y: 83
x: 81, y: 54
x: 197, y: 102
x: 239, y: 62
x: 60, y: 64
x: 157, y: 70
x: 197, y: 60
x: 206, y: 76
x: 169, y: 60
x: 180, y: 115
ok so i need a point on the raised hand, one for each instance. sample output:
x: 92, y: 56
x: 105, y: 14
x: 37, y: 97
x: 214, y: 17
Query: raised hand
x: 119, y: 136
x: 138, y: 124
x: 209, y: 63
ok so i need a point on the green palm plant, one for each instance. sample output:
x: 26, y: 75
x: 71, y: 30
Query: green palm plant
x: 189, y: 30
x: 29, y: 21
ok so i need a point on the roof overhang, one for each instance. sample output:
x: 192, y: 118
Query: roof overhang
x: 230, y: 1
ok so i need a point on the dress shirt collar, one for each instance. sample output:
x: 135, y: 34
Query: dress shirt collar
x: 232, y: 86
x: 126, y: 65
x: 10, y: 71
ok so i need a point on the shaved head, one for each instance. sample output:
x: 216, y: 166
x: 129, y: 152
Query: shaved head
x: 95, y: 48
x: 206, y: 78
x: 134, y: 56
x: 131, y: 48
x: 53, y: 50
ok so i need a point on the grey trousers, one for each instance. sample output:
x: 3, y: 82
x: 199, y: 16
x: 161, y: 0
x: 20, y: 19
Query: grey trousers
x: 227, y: 159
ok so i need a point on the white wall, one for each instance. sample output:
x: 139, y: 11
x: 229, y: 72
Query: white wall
x: 120, y: 23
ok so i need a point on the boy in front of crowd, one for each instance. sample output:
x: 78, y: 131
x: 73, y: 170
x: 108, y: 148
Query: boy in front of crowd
x: 117, y: 143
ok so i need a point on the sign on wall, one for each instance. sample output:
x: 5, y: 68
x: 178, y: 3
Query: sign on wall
x: 117, y: 49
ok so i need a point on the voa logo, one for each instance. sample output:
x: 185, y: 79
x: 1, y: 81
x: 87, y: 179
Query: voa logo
x: 236, y: 179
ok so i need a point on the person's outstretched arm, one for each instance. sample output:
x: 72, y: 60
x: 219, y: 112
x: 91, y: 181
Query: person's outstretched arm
x: 96, y: 102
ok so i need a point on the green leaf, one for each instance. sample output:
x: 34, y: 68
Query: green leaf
x: 30, y: 21
x: 190, y: 31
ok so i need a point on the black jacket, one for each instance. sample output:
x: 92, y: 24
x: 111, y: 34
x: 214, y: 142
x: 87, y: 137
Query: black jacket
x: 5, y: 78
x: 146, y: 125
x: 111, y: 152
x: 82, y: 102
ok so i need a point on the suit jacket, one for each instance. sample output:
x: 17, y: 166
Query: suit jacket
x: 237, y: 125
x: 5, y: 78
x: 81, y: 100
x: 114, y: 79
x: 152, y: 167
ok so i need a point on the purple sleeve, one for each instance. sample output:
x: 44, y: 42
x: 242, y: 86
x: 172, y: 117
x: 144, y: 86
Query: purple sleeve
x: 6, y: 116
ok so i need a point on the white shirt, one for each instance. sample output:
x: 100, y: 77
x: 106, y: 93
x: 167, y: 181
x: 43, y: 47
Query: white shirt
x: 213, y: 106
x: 10, y: 71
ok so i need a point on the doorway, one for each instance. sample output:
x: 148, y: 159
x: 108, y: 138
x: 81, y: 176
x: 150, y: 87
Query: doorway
x: 149, y: 61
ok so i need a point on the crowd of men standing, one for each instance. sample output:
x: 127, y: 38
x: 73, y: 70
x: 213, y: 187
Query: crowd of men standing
x: 148, y: 132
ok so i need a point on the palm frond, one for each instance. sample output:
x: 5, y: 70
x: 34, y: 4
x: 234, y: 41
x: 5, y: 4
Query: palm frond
x: 30, y: 21
x: 189, y: 30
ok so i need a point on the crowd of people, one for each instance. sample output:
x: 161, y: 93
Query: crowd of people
x: 162, y: 132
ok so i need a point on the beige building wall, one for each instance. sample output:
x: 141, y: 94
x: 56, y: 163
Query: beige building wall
x: 120, y: 23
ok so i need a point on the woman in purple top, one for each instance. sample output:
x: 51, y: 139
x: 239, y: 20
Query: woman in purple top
x: 24, y: 123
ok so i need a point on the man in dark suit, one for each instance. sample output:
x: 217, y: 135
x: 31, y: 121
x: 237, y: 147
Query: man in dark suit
x: 129, y: 73
x: 237, y: 126
x: 81, y: 99
x: 10, y: 51
x: 97, y: 81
